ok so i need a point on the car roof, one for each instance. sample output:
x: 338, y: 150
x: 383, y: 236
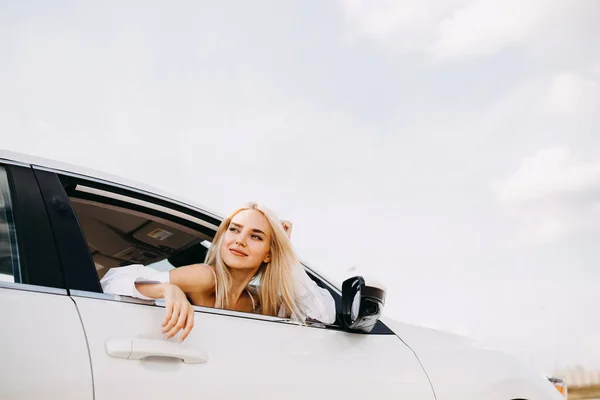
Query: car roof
x: 28, y: 159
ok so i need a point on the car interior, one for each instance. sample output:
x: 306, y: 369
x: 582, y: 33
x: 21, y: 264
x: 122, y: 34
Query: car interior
x: 117, y: 237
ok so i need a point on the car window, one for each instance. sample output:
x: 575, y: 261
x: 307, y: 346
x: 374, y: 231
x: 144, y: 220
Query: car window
x: 122, y: 229
x: 9, y: 256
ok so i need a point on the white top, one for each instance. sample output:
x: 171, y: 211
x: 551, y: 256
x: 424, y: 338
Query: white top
x: 314, y: 302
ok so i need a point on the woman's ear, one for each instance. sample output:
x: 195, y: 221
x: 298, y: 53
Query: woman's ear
x: 267, y: 258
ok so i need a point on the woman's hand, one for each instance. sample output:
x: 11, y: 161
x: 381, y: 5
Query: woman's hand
x: 287, y: 227
x: 179, y: 312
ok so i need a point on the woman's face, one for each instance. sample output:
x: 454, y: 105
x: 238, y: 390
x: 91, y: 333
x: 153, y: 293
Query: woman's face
x: 247, y: 240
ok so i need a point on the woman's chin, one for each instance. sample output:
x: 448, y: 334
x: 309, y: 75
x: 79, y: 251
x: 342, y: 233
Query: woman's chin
x: 236, y: 264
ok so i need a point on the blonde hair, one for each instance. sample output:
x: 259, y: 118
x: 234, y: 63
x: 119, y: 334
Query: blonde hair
x: 276, y: 290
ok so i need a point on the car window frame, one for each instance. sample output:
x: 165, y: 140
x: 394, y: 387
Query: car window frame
x: 40, y: 269
x: 70, y: 242
x: 121, y: 191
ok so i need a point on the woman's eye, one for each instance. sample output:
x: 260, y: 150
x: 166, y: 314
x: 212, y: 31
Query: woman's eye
x: 232, y: 229
x: 257, y: 237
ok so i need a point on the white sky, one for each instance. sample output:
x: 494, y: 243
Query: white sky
x: 448, y: 148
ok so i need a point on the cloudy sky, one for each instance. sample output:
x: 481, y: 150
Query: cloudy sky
x: 450, y: 149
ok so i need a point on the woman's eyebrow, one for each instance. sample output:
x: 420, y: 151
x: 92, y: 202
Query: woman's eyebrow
x: 253, y: 230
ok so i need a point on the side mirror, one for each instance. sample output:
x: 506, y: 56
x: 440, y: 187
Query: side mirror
x: 361, y: 305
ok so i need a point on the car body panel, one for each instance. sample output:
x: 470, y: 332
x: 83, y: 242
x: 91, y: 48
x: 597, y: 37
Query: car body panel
x: 44, y: 353
x: 248, y: 358
x: 460, y: 368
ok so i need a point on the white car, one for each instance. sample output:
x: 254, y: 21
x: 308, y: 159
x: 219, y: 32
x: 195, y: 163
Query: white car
x: 62, y: 228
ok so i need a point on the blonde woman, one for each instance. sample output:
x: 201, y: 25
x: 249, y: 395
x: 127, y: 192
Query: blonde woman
x: 251, y: 242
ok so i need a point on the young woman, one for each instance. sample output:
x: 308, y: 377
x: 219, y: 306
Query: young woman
x: 251, y: 242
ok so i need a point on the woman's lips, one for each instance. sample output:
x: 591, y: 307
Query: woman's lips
x: 237, y: 253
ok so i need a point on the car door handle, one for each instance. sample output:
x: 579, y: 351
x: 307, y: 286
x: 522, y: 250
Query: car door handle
x: 138, y: 349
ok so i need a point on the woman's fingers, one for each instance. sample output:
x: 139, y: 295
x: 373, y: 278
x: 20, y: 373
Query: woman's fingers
x: 180, y: 324
x: 173, y: 319
x: 168, y: 313
x: 188, y: 325
x: 287, y: 227
x: 179, y: 313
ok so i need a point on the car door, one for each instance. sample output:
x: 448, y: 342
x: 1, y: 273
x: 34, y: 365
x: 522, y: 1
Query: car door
x: 228, y: 354
x: 43, y: 351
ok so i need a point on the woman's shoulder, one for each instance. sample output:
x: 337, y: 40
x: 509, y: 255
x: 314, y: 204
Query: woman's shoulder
x: 194, y: 277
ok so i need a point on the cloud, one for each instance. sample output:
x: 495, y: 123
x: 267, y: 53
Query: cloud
x: 549, y: 173
x: 571, y: 94
x: 484, y: 27
x: 596, y: 68
x: 487, y: 26
x: 407, y: 25
x: 552, y: 195
x: 461, y: 28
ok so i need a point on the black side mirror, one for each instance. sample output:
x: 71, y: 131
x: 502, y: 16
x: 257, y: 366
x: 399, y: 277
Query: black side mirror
x: 361, y: 305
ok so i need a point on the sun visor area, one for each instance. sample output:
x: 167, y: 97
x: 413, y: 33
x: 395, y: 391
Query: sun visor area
x: 163, y: 237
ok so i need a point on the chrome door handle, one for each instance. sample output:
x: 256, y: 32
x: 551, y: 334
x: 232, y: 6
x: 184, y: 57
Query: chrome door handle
x: 138, y: 349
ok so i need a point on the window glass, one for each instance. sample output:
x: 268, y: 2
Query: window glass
x: 9, y: 255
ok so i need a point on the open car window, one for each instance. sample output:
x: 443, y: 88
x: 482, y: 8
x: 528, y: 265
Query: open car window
x: 122, y: 230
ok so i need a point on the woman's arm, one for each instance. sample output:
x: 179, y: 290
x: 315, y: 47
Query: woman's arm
x: 179, y: 312
x: 145, y: 283
x: 127, y: 281
x: 123, y: 280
